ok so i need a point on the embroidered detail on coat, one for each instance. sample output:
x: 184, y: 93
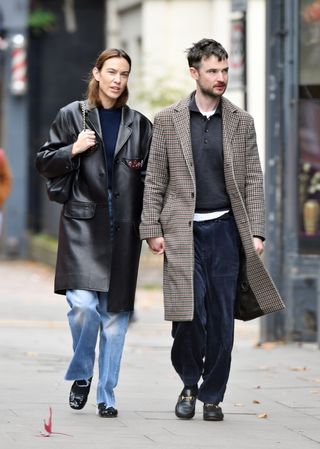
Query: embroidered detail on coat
x: 135, y: 164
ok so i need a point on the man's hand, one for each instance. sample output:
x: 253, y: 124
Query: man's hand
x: 258, y: 245
x: 156, y: 244
x: 86, y: 139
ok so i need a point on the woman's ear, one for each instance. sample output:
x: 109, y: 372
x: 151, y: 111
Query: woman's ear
x: 96, y: 73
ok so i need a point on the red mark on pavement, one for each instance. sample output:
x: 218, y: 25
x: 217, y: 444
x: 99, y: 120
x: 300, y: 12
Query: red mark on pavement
x: 48, y: 427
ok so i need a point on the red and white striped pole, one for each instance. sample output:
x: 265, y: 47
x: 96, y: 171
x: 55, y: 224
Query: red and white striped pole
x: 18, y: 83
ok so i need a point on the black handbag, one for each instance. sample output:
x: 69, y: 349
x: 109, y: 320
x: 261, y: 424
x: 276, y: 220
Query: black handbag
x: 59, y: 187
x: 246, y: 305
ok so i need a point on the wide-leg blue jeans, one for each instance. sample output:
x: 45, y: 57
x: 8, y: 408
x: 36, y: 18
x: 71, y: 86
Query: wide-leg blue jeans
x: 88, y: 315
x: 202, y: 347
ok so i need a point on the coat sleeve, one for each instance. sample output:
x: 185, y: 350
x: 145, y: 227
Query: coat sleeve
x: 156, y: 182
x: 254, y: 192
x: 54, y: 157
x: 5, y: 181
x: 146, y: 149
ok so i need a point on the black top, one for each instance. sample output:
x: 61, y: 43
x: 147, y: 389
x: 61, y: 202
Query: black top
x: 110, y: 122
x: 207, y: 148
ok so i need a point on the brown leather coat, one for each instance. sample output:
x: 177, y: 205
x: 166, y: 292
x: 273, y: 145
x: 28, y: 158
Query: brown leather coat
x: 87, y: 258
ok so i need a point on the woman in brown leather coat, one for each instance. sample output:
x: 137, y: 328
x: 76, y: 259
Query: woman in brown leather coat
x: 99, y: 245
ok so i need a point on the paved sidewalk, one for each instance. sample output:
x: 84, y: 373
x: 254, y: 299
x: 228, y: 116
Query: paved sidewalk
x: 273, y: 398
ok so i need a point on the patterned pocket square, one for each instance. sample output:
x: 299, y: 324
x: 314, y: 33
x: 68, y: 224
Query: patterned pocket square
x: 135, y: 164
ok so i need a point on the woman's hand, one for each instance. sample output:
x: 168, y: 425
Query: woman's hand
x: 86, y: 139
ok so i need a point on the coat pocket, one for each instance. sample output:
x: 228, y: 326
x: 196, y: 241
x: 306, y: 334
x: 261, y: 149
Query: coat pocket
x: 134, y: 164
x: 79, y: 210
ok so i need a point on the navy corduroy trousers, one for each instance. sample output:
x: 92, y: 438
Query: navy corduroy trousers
x: 202, y: 347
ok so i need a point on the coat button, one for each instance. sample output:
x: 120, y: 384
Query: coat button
x: 116, y: 195
x: 117, y: 161
x: 192, y: 195
x: 189, y: 224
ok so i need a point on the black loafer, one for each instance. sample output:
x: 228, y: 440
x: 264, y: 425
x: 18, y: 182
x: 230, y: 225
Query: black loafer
x: 186, y: 404
x: 212, y: 412
x: 106, y: 412
x: 79, y: 393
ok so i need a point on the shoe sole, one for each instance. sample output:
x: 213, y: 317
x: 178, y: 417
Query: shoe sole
x: 178, y: 415
x: 213, y: 418
x: 106, y: 416
x: 77, y: 408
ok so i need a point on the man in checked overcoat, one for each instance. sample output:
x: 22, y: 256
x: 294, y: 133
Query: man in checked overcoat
x: 204, y: 210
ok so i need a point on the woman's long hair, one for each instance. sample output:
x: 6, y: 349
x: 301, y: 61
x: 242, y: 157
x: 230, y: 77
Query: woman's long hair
x: 93, y: 85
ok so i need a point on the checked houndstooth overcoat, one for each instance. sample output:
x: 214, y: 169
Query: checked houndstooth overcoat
x: 169, y: 203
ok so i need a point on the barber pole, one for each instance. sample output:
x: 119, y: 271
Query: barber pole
x: 18, y: 84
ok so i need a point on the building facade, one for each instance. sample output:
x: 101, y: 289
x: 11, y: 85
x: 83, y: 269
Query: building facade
x: 156, y: 34
x: 293, y: 165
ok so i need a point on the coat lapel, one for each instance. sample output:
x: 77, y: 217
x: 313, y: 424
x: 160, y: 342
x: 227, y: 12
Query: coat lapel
x: 181, y: 120
x: 93, y: 120
x: 230, y: 120
x: 125, y: 129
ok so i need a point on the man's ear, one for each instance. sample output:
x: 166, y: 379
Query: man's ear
x: 194, y: 73
x: 96, y: 73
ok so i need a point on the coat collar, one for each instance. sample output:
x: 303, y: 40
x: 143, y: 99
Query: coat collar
x: 226, y: 105
x: 230, y: 119
x: 181, y: 119
x: 92, y: 118
x: 125, y: 130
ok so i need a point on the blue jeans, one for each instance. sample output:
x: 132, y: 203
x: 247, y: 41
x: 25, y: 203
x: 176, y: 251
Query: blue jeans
x: 87, y: 316
x: 202, y: 347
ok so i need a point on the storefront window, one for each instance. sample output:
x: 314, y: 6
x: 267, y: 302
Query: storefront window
x: 309, y: 127
x: 309, y: 41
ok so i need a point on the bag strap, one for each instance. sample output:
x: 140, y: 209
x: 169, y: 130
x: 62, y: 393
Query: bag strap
x: 83, y: 109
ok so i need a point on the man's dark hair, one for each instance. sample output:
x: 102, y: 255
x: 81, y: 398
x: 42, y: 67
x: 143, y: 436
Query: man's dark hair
x: 204, y: 49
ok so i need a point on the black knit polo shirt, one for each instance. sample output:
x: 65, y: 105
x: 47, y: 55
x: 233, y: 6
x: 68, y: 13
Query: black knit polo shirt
x: 207, y: 148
